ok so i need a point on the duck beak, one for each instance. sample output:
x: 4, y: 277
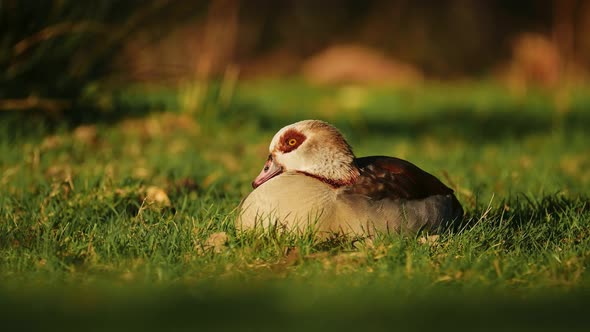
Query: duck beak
x: 269, y: 171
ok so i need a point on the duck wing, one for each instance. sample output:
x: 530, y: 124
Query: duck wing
x: 388, y: 177
x: 395, y: 195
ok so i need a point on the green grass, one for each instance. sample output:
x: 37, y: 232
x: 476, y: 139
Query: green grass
x: 80, y: 244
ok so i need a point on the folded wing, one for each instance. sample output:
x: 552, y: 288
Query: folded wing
x: 394, y: 178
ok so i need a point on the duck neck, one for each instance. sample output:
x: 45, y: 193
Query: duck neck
x: 336, y: 177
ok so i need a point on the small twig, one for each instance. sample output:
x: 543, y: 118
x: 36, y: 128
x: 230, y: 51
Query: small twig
x: 33, y: 102
x: 54, y: 31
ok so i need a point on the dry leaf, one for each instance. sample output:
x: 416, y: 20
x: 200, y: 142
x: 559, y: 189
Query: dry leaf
x: 366, y: 244
x: 155, y: 195
x: 428, y: 239
x: 293, y: 256
x: 216, y: 242
x: 51, y: 142
x: 86, y: 134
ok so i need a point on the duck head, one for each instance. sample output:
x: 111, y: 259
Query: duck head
x: 314, y: 148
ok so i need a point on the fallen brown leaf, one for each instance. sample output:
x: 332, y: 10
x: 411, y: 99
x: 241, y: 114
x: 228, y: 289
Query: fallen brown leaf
x: 293, y: 256
x: 51, y: 142
x: 86, y: 134
x: 428, y: 239
x: 157, y: 196
x: 216, y: 242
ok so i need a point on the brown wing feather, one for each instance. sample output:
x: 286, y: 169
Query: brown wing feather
x: 389, y: 177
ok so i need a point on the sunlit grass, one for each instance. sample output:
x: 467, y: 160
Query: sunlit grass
x: 76, y: 212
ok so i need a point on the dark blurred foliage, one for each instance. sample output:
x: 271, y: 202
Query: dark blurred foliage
x: 54, y: 49
x: 443, y: 37
x: 50, y: 48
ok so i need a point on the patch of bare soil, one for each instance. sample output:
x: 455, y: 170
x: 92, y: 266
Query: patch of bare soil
x: 350, y: 63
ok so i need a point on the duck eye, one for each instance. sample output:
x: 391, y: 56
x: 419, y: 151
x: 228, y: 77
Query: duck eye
x: 292, y: 142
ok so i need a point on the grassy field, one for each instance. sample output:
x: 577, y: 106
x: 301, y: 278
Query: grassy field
x: 111, y: 222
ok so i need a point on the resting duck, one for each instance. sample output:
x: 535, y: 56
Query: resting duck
x: 312, y: 180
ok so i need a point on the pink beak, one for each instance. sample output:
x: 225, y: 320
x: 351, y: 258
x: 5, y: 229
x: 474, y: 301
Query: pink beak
x: 269, y: 171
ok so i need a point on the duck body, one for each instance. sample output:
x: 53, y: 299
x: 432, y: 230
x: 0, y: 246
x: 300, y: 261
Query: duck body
x: 346, y: 195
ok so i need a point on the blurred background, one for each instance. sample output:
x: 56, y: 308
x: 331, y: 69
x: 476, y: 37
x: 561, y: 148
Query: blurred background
x: 56, y: 56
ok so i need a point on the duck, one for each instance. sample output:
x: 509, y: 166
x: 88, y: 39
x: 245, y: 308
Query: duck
x: 312, y: 181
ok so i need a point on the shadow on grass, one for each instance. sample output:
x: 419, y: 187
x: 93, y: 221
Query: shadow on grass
x: 531, y: 223
x: 463, y: 123
x: 441, y: 121
x: 522, y: 210
x: 24, y: 124
x: 120, y: 105
x: 481, y: 126
x: 265, y: 307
